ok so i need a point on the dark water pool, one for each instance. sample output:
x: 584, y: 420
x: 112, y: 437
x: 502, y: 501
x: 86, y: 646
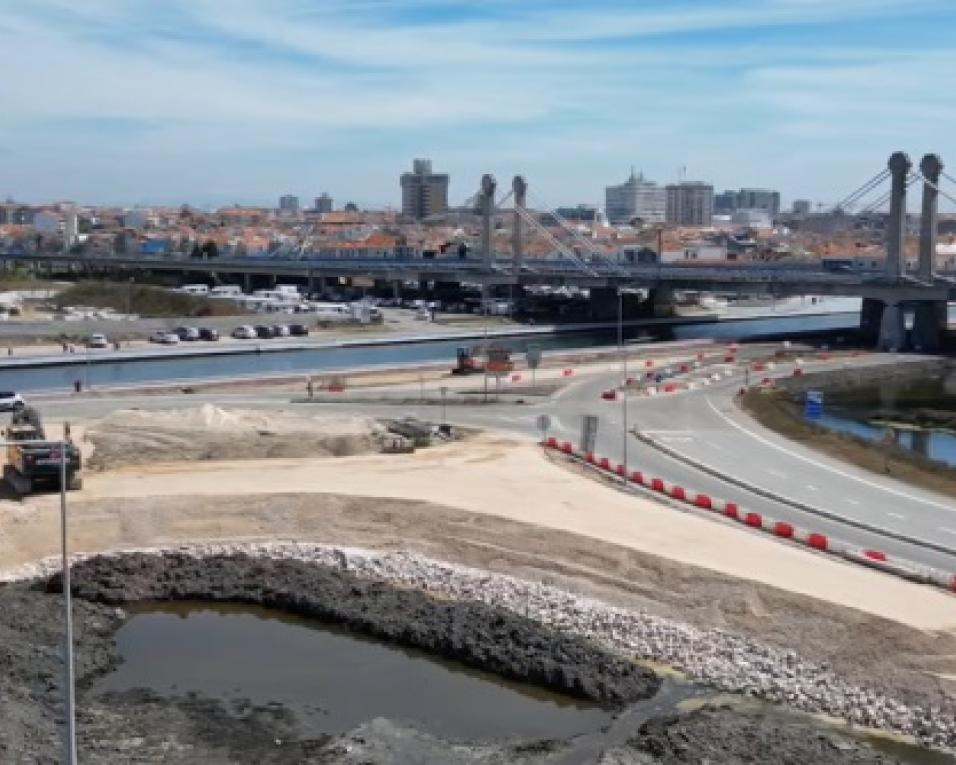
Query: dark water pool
x: 333, y: 679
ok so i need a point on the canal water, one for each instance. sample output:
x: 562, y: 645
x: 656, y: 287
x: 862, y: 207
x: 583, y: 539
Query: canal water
x: 920, y: 415
x: 323, y: 360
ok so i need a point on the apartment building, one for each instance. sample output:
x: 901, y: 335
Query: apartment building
x: 690, y: 203
x: 424, y: 192
x: 637, y: 197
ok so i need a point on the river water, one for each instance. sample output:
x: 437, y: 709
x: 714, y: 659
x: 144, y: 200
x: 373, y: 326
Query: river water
x: 324, y: 360
x: 900, y: 408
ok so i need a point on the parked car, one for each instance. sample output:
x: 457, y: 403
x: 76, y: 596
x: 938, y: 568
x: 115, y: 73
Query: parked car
x: 97, y: 341
x: 10, y: 401
x: 187, y: 333
x: 280, y: 330
x: 298, y: 330
x: 164, y: 337
x: 244, y: 332
x: 265, y: 332
x: 208, y: 333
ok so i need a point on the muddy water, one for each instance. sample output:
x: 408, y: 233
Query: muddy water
x: 333, y: 679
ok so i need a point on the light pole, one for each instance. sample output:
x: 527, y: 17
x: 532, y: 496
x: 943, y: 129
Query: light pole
x: 620, y: 343
x: 69, y: 735
x: 444, y: 392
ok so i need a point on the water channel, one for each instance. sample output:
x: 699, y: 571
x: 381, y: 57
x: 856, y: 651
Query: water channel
x: 919, y: 415
x: 113, y: 373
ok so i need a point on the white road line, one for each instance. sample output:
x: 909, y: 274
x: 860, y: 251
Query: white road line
x: 947, y: 530
x: 776, y: 473
x: 897, y: 515
x: 851, y: 501
x: 828, y: 468
x: 668, y: 432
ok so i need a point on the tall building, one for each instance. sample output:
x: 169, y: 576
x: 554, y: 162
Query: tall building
x: 725, y: 202
x: 424, y: 193
x: 289, y: 203
x: 635, y: 198
x: 690, y: 204
x: 801, y: 207
x: 323, y: 203
x: 759, y: 199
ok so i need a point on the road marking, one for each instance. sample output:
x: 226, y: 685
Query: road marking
x: 828, y: 468
x: 947, y: 530
x: 668, y: 432
x: 897, y: 515
x: 851, y: 501
x: 812, y: 488
x: 776, y: 473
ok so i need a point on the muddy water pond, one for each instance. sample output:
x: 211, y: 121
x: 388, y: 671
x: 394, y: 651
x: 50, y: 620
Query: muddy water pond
x: 333, y: 679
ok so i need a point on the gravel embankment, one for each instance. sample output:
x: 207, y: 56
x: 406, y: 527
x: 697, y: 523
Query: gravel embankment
x: 718, y: 658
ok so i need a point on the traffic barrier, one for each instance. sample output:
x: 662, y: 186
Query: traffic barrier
x: 759, y: 367
x: 798, y: 372
x: 670, y: 387
x: 818, y: 541
x: 604, y: 463
x: 729, y: 358
x: 621, y: 470
x: 703, y: 501
x: 609, y: 395
x: 567, y: 372
x: 649, y: 363
x: 754, y: 520
x: 515, y: 378
x: 700, y: 356
x: 685, y: 368
x: 731, y: 510
x: 567, y: 448
x: 589, y: 458
x: 657, y: 484
x: 877, y: 555
x: 677, y: 492
x: 766, y: 381
x: 551, y: 442
x: 783, y: 529
x: 637, y: 477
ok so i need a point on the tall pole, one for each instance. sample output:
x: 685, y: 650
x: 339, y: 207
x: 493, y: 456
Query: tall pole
x: 69, y: 734
x: 620, y: 345
x: 899, y: 166
x: 931, y: 166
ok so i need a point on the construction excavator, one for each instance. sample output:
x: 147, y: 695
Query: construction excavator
x: 32, y: 460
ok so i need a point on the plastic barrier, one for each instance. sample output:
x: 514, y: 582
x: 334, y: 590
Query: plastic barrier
x: 678, y: 493
x: 637, y: 476
x: 798, y: 372
x: 729, y: 358
x: 670, y: 387
x: 818, y: 541
x: 783, y: 529
x: 685, y: 368
x: 567, y: 373
x: 754, y: 520
x: 657, y: 484
x: 703, y: 501
x: 878, y: 555
x: 515, y: 378
x: 567, y: 447
x: 731, y: 510
x: 621, y: 470
x: 604, y: 463
x: 589, y: 458
x: 551, y: 442
x: 609, y: 395
x: 649, y: 363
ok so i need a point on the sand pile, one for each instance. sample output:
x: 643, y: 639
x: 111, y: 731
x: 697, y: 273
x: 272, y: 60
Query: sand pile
x: 137, y: 437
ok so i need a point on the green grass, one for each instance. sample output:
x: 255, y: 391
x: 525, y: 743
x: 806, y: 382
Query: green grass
x: 143, y: 300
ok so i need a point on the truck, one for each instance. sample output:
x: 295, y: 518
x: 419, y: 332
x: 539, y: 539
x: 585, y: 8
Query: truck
x: 33, y: 461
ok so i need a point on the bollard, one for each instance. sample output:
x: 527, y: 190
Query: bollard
x: 817, y: 541
x: 782, y: 529
x: 731, y: 510
x: 754, y: 520
x: 703, y: 501
x: 677, y: 492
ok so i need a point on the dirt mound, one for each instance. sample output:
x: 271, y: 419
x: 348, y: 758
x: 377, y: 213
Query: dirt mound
x: 136, y: 437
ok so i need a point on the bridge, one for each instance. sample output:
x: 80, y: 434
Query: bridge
x: 889, y: 296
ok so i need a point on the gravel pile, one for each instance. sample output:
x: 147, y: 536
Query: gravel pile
x: 718, y: 658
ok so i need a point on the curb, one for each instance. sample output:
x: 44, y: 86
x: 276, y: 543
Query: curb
x: 753, y: 488
x: 876, y: 559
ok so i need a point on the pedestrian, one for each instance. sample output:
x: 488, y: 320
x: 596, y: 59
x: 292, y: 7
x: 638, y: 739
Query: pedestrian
x: 9, y: 351
x: 310, y: 388
x: 77, y: 386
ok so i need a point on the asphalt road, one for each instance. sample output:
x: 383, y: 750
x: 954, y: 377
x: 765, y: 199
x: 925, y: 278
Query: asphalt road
x: 702, y: 424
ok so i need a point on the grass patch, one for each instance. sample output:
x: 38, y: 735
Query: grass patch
x: 143, y: 300
x: 782, y: 412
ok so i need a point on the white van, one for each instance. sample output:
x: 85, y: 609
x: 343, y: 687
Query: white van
x: 226, y: 291
x: 332, y: 311
x: 193, y: 289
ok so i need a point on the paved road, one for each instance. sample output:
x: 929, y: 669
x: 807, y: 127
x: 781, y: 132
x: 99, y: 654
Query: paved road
x: 703, y: 424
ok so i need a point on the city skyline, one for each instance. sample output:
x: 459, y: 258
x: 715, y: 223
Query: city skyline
x: 133, y: 103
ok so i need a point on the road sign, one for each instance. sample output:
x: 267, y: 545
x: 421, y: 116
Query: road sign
x: 813, y: 404
x: 589, y: 433
x: 544, y: 423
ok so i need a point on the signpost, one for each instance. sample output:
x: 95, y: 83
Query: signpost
x: 533, y: 357
x: 813, y: 404
x: 544, y: 423
x: 589, y: 433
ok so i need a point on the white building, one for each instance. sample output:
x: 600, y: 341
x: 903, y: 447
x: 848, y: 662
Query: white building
x: 637, y: 197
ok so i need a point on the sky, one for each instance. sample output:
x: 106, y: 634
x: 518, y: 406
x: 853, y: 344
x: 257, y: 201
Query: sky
x: 212, y: 102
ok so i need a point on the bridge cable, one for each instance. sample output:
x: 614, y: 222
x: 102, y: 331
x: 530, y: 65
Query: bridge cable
x: 575, y: 235
x: 530, y: 219
x: 852, y: 198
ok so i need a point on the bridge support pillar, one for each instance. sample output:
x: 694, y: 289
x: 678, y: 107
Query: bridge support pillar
x: 929, y: 322
x: 662, y: 302
x: 921, y: 440
x: 892, y: 332
x: 487, y: 206
x: 519, y: 188
x: 871, y: 314
x: 899, y: 166
x: 603, y: 303
x: 247, y: 283
x: 931, y: 167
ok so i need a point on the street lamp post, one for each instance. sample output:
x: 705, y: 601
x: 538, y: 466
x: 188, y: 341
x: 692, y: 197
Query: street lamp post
x: 620, y: 343
x: 444, y: 392
x: 69, y: 735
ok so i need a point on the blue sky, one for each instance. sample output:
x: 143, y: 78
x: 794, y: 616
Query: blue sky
x: 215, y: 101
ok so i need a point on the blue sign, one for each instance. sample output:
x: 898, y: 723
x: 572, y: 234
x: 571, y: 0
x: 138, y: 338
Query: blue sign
x: 813, y: 404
